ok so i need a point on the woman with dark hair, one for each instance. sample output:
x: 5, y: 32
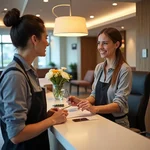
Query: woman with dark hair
x: 23, y: 112
x: 112, y: 83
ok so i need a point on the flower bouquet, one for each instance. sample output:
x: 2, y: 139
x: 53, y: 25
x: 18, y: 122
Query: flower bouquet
x: 58, y: 77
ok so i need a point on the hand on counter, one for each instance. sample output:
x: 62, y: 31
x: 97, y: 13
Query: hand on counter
x: 51, y: 111
x: 59, y: 116
x: 86, y: 105
x: 73, y: 100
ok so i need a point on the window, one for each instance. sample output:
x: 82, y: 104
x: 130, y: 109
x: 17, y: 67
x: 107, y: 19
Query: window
x: 8, y: 53
x: 7, y: 50
x: 6, y: 39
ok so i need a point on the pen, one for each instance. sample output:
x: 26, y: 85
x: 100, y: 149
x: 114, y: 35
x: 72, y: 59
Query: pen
x: 66, y: 107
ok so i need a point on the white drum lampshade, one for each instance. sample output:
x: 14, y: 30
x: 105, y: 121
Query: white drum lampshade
x: 70, y: 26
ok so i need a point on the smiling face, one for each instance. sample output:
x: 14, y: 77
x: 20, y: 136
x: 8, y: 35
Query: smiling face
x: 106, y: 47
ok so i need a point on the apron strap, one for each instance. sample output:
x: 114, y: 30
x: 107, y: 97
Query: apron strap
x: 21, y: 65
x: 12, y: 68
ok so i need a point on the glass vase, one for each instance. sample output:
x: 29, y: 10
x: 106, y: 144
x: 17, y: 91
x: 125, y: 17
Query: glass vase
x: 58, y: 92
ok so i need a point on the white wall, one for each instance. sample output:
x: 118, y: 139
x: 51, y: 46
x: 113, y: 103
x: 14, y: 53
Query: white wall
x: 61, y: 51
x: 71, y: 55
x: 79, y: 58
x: 55, y: 50
x: 131, y: 47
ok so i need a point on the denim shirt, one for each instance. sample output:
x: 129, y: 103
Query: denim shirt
x: 119, y: 92
x: 15, y: 96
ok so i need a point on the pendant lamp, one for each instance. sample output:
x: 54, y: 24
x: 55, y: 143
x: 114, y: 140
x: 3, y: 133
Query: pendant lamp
x: 69, y: 26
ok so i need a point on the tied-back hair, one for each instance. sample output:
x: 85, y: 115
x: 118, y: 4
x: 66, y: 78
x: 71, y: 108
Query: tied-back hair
x: 22, y: 28
x: 115, y: 36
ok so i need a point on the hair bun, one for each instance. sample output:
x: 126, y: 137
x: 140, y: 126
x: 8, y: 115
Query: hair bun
x: 12, y: 17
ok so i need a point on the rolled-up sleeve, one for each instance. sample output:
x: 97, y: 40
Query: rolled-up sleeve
x: 123, y: 88
x: 14, y: 101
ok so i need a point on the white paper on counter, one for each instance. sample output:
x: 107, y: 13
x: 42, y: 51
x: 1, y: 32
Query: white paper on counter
x: 74, y: 112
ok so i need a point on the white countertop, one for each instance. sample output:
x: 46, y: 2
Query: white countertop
x: 97, y: 134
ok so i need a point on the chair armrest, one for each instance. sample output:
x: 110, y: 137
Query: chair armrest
x: 148, y: 135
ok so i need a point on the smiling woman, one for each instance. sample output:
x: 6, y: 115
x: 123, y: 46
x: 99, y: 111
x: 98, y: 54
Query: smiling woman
x: 112, y: 82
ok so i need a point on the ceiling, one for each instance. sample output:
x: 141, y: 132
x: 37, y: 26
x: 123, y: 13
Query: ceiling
x: 105, y: 14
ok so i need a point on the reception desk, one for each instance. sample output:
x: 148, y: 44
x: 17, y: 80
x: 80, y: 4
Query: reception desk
x: 97, y: 133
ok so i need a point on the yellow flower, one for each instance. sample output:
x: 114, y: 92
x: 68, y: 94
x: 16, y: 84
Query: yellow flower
x: 58, y: 76
x: 55, y: 71
x: 65, y: 75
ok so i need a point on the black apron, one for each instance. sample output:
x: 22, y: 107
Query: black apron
x: 37, y: 112
x: 102, y: 99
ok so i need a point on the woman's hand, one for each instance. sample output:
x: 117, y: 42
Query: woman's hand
x: 73, y: 101
x: 53, y: 110
x: 86, y: 105
x: 59, y: 116
x: 65, y: 112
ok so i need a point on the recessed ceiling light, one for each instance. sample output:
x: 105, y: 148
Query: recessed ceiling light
x: 122, y: 27
x: 114, y: 4
x: 45, y: 0
x: 5, y: 9
x: 91, y: 17
x: 38, y: 15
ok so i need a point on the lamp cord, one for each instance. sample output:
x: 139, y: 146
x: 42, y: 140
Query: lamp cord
x: 68, y: 5
x: 70, y: 8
